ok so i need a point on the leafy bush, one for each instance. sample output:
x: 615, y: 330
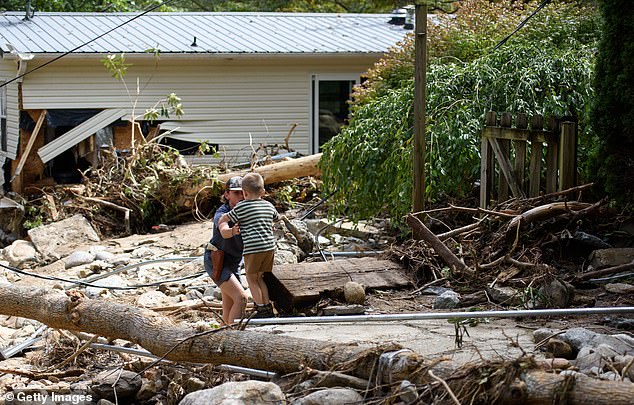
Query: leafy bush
x: 613, y: 112
x: 547, y: 70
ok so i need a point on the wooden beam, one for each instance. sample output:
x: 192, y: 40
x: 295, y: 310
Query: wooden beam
x: 505, y: 168
x: 29, y: 145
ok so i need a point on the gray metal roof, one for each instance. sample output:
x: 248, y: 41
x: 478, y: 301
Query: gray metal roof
x: 250, y: 33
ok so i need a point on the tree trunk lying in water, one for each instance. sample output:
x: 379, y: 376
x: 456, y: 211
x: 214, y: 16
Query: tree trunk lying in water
x: 512, y: 383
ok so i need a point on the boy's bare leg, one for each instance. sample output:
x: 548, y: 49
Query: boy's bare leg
x: 236, y: 300
x: 254, y: 286
x: 264, y: 289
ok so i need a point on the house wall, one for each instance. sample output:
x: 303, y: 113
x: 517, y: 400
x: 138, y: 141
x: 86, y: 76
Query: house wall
x: 227, y: 101
x: 8, y: 70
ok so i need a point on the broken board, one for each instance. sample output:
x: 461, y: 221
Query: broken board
x: 302, y: 284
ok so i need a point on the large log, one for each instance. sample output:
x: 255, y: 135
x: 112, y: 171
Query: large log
x: 284, y: 354
x: 286, y: 170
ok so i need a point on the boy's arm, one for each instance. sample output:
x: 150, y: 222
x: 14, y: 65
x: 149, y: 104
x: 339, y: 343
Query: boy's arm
x: 226, y: 231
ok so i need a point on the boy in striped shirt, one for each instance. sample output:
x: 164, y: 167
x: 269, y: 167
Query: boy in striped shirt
x: 256, y: 217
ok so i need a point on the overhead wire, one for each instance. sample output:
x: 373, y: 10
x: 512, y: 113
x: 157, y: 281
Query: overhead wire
x: 89, y: 284
x: 520, y: 25
x: 150, y: 9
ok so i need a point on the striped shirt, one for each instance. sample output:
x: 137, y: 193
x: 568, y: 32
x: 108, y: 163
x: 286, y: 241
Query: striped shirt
x: 255, y: 218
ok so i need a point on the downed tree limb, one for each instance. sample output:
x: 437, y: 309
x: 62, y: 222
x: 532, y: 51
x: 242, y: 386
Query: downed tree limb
x: 504, y: 383
x: 546, y: 211
x: 290, y: 169
x: 605, y: 272
x: 443, y: 251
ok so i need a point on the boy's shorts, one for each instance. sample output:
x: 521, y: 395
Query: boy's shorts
x: 261, y: 262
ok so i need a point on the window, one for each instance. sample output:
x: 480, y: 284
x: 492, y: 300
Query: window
x: 330, y: 107
x: 3, y: 118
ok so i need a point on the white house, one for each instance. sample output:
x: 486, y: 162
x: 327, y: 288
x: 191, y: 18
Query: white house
x: 244, y: 78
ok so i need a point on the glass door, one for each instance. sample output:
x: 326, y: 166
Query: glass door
x: 330, y: 109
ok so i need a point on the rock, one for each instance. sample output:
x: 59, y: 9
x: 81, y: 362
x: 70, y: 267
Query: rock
x: 611, y: 257
x: 619, y: 288
x: 447, y: 300
x: 331, y: 396
x: 284, y: 256
x: 143, y: 252
x: 20, y: 252
x: 299, y: 229
x: 354, y: 293
x: 58, y: 239
x: 237, y: 393
x: 555, y: 294
x: 434, y: 290
x: 111, y: 281
x: 581, y: 338
x: 559, y: 348
x: 103, y: 255
x: 407, y: 392
x: 152, y: 299
x: 193, y: 384
x: 504, y: 295
x: 126, y: 383
x: 78, y: 258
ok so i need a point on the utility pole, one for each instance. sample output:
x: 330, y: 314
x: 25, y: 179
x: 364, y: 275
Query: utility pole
x: 420, y: 94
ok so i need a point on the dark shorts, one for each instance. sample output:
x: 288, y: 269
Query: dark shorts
x: 230, y: 266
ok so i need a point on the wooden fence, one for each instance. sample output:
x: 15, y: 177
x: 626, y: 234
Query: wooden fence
x: 511, y: 145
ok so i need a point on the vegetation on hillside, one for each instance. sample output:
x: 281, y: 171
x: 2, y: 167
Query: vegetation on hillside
x: 545, y: 68
x: 613, y: 109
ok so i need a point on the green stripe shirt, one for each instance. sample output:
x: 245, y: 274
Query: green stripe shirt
x: 255, y: 218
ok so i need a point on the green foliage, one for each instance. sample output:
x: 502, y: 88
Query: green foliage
x: 613, y: 109
x: 369, y: 163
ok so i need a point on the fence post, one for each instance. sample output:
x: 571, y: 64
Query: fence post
x: 552, y: 142
x: 537, y: 124
x: 519, y: 146
x: 567, y: 155
x: 486, y: 163
x: 505, y: 149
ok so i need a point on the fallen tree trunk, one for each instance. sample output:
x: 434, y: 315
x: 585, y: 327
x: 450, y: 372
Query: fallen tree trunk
x: 290, y: 169
x: 284, y: 354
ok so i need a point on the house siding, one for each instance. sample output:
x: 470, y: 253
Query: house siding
x: 228, y: 102
x: 8, y: 69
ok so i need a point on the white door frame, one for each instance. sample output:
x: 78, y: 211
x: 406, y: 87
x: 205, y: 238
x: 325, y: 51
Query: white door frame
x: 314, y: 111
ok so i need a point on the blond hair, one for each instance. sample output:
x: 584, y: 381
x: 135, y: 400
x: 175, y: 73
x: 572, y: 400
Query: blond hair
x: 253, y: 183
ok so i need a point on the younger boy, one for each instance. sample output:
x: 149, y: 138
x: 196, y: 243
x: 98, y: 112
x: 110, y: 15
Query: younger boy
x: 256, y: 217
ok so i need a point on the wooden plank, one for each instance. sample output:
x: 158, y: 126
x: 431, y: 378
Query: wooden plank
x: 302, y: 284
x: 486, y: 172
x: 567, y: 156
x: 535, y: 169
x: 505, y: 168
x: 29, y: 145
x: 519, y: 163
x: 551, y: 166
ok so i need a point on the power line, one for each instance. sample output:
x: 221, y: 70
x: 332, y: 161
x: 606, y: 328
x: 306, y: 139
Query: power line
x: 520, y: 25
x: 86, y: 43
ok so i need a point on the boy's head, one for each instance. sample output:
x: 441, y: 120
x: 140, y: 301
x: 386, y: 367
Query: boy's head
x: 253, y: 184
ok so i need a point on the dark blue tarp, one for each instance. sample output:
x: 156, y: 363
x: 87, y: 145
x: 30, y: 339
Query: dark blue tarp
x: 68, y: 118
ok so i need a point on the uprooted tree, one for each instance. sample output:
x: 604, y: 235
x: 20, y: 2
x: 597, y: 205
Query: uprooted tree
x: 513, y: 382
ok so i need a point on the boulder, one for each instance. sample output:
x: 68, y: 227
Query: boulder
x: 59, y: 239
x: 237, y: 393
